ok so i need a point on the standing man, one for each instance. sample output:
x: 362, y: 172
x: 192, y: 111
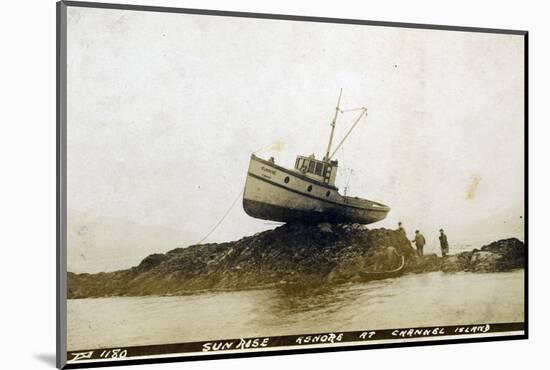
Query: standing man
x: 401, y: 229
x: 420, y: 241
x: 444, y: 243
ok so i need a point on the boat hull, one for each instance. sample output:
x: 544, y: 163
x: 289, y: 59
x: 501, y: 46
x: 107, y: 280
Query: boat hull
x: 275, y: 193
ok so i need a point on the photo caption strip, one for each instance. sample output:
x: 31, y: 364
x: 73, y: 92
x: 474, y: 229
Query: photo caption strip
x: 293, y: 341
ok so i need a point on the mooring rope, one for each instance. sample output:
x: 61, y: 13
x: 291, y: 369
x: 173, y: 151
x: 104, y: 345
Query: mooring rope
x: 223, y: 217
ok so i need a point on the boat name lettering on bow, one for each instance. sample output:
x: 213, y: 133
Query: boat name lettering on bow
x: 321, y: 338
x: 269, y: 170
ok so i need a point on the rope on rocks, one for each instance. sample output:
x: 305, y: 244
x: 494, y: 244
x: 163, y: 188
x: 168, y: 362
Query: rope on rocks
x: 223, y: 217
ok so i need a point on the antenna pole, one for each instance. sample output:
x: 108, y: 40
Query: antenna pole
x: 333, y: 125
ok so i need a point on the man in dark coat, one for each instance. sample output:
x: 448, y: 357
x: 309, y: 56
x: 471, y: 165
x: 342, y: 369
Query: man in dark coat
x: 401, y: 229
x: 444, y: 243
x: 420, y: 241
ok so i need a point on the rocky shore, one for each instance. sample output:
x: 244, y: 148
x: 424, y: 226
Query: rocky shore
x: 290, y: 254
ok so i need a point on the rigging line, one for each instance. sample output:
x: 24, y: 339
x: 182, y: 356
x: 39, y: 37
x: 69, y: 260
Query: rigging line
x: 223, y: 217
x: 363, y: 114
x: 348, y: 179
x: 345, y: 172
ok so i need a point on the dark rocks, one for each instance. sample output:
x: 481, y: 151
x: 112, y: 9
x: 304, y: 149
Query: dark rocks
x: 512, y: 251
x: 502, y: 255
x: 291, y: 254
x: 152, y: 261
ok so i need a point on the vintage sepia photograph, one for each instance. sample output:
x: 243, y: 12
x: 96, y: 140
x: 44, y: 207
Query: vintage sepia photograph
x: 235, y: 183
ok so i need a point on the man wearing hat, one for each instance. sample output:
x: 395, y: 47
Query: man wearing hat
x: 444, y: 243
x: 401, y: 229
x: 420, y: 241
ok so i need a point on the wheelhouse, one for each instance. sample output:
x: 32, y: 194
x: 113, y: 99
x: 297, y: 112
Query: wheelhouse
x: 324, y: 171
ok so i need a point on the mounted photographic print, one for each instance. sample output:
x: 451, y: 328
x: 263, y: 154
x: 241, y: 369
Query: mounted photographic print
x: 237, y: 184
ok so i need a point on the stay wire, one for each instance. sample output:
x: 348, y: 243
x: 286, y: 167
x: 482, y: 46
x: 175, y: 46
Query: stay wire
x: 223, y: 217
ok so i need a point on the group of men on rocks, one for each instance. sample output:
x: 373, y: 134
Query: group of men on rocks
x: 420, y: 241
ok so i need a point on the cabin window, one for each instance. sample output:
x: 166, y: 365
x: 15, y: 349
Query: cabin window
x: 319, y: 169
x: 297, y: 165
x: 303, y: 165
x: 327, y: 194
x: 309, y: 188
x: 287, y: 179
x: 311, y: 167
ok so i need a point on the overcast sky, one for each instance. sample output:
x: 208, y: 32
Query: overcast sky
x: 164, y: 111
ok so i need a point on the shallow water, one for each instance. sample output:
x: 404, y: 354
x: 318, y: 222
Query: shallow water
x: 413, y: 300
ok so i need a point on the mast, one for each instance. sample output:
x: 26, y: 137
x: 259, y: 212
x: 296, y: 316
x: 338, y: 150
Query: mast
x: 333, y: 125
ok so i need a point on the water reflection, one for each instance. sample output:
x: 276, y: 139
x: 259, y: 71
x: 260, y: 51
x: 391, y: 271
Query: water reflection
x: 315, y: 306
x: 294, y: 299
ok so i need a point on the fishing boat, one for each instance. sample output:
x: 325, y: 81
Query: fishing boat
x: 306, y: 193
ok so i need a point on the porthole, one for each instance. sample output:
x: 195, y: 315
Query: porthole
x: 327, y: 194
x: 287, y: 179
x: 309, y: 188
